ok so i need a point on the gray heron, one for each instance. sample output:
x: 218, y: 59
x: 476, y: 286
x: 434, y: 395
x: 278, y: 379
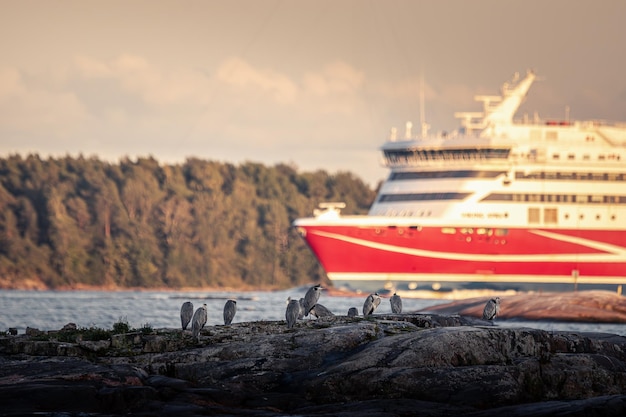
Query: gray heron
x: 293, y: 310
x: 301, y: 314
x: 186, y: 312
x: 396, y: 303
x: 230, y: 308
x: 353, y: 312
x: 492, y: 308
x: 198, y: 321
x: 311, y: 297
x: 319, y: 310
x: 371, y: 303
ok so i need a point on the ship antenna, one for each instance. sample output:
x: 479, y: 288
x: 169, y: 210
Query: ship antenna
x: 423, y: 123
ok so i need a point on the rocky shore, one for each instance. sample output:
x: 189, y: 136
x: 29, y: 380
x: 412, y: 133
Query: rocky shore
x: 385, y: 365
x: 581, y: 306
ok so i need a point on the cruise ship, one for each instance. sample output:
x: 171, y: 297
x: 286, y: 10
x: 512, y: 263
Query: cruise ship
x: 500, y: 204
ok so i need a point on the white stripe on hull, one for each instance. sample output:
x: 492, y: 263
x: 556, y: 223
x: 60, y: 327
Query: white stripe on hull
x: 494, y: 278
x: 615, y: 253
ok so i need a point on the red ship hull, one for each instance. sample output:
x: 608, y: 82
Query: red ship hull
x: 426, y: 254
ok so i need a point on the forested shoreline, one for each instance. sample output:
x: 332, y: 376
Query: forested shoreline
x: 82, y: 222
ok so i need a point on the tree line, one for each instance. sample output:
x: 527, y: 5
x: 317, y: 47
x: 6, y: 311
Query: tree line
x: 81, y: 221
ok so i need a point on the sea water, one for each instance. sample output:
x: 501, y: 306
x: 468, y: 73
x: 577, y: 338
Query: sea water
x: 51, y: 310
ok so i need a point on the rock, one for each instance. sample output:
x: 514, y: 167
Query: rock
x: 582, y: 306
x: 431, y: 365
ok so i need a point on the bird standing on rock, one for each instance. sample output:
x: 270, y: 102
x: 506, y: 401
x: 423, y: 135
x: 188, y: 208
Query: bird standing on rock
x: 292, y: 312
x: 198, y: 321
x: 186, y: 312
x: 319, y: 310
x: 396, y: 303
x: 311, y: 297
x: 301, y: 314
x: 230, y: 308
x: 371, y: 303
x: 492, y: 308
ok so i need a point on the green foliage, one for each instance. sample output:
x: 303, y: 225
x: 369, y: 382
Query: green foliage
x: 94, y: 334
x: 121, y: 326
x: 73, y: 221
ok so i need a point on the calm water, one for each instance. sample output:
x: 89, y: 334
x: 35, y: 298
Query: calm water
x: 51, y: 310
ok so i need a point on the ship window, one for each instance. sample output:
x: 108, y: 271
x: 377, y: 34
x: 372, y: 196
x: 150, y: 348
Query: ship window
x: 571, y: 156
x: 555, y: 156
x: 415, y: 175
x: 422, y: 197
x: 601, y: 157
x: 534, y: 215
x: 586, y: 157
x: 498, y: 197
x: 550, y: 215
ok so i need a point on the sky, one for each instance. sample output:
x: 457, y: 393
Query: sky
x: 315, y: 84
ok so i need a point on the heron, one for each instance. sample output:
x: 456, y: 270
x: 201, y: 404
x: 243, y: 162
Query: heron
x: 492, y: 308
x: 186, y: 312
x: 311, y: 297
x: 371, y: 303
x: 230, y: 308
x: 301, y: 313
x: 293, y: 310
x: 198, y: 321
x: 353, y: 312
x: 319, y: 310
x: 396, y: 303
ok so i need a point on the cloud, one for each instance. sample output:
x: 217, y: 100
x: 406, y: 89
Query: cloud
x: 335, y: 78
x: 10, y: 83
x: 240, y: 74
x: 36, y: 109
x: 235, y: 111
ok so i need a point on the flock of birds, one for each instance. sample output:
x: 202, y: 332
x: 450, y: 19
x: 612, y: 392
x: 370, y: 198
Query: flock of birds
x: 308, y: 305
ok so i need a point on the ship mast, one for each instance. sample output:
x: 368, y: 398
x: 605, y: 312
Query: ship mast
x: 425, y: 126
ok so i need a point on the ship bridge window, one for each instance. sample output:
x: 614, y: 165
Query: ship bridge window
x: 418, y: 175
x: 557, y: 198
x: 498, y: 197
x: 421, y: 197
x: 446, y: 154
x: 571, y: 176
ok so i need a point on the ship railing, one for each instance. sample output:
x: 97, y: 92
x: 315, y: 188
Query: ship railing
x: 425, y: 161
